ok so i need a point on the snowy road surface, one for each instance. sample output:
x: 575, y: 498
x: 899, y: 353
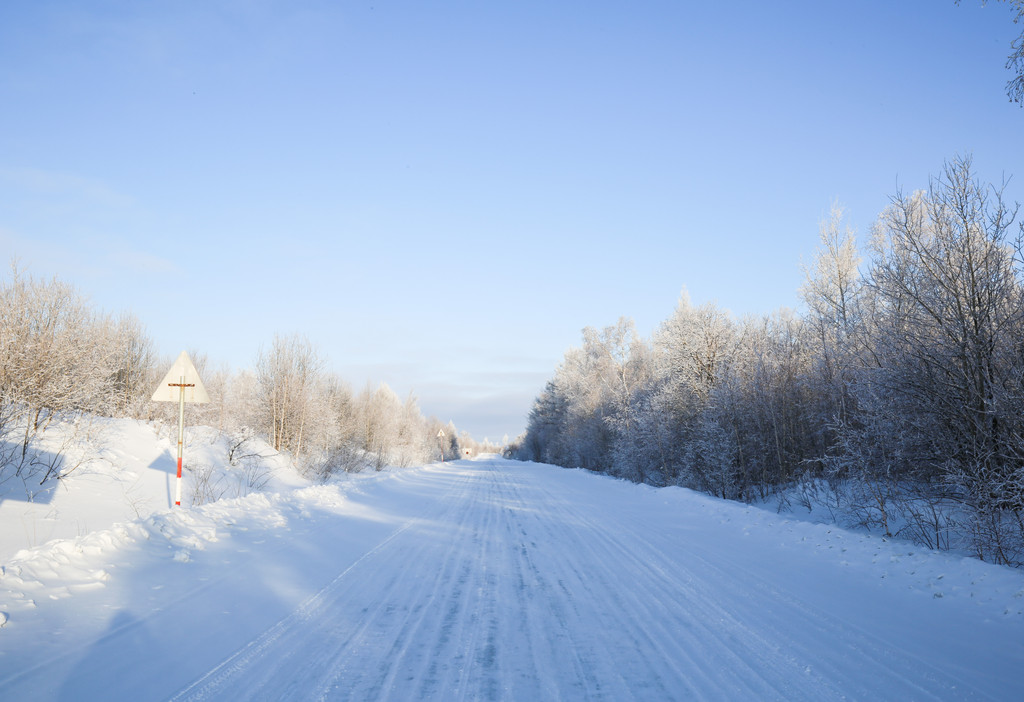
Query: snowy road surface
x: 496, y: 580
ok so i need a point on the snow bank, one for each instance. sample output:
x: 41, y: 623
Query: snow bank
x: 67, y: 566
x: 125, y: 469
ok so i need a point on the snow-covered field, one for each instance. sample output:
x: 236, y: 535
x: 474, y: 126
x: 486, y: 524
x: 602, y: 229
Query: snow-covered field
x: 480, y: 580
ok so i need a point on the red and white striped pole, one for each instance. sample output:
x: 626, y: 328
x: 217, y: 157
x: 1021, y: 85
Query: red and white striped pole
x: 181, y: 432
x: 181, y: 440
x: 184, y: 372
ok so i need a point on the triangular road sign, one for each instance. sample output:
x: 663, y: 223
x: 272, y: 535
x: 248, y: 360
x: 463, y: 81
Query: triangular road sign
x: 181, y: 373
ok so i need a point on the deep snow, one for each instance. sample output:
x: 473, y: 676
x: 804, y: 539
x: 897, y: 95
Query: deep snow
x: 484, y: 579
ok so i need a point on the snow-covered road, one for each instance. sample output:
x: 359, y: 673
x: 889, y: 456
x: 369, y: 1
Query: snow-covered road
x: 496, y: 580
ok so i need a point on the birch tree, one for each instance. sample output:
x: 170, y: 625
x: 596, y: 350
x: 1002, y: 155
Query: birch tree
x: 57, y: 357
x: 693, y: 352
x: 947, y: 316
x: 288, y: 376
x: 135, y: 367
x: 832, y: 292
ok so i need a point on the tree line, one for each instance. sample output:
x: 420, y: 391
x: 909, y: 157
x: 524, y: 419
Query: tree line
x: 62, y: 360
x: 895, y: 399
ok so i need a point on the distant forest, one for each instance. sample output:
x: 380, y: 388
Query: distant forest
x: 895, y: 399
x: 62, y: 361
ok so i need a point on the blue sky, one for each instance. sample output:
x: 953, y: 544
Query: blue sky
x: 441, y: 195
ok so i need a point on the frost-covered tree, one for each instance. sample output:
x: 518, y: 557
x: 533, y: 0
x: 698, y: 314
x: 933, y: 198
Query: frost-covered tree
x: 619, y: 364
x: 832, y: 292
x: 135, y: 367
x: 587, y: 414
x: 544, y: 426
x: 584, y: 437
x: 58, y: 355
x: 58, y: 358
x: 288, y: 376
x: 381, y: 415
x: 946, y: 314
x: 693, y: 351
x: 903, y: 387
x: 333, y: 443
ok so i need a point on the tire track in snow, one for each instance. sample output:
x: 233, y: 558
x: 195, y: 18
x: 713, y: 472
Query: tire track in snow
x: 769, y: 641
x: 659, y: 610
x: 504, y: 589
x: 780, y: 624
x: 289, y: 636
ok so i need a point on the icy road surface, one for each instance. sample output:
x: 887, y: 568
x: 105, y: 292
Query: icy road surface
x: 496, y: 580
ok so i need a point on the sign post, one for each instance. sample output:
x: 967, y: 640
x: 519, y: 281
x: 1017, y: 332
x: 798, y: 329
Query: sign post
x: 181, y: 385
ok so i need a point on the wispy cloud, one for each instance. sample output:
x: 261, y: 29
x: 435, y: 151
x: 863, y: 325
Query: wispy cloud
x: 101, y: 242
x: 143, y: 262
x: 60, y: 184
